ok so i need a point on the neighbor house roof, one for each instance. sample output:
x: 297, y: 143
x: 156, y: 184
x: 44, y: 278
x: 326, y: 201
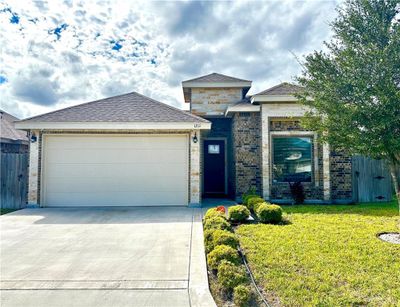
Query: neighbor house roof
x: 284, y: 88
x: 7, y: 129
x: 216, y: 77
x: 127, y: 111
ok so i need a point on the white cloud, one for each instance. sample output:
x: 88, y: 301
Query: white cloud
x: 62, y: 53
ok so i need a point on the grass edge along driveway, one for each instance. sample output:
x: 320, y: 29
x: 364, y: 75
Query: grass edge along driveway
x: 328, y: 256
x: 6, y: 210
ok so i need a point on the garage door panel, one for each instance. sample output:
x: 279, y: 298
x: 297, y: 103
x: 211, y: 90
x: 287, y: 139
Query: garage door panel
x: 118, y: 142
x: 107, y: 170
x: 111, y: 185
x: 119, y: 170
x: 121, y: 199
x: 112, y: 155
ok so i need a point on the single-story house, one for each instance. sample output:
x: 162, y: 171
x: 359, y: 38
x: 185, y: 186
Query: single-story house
x: 131, y: 150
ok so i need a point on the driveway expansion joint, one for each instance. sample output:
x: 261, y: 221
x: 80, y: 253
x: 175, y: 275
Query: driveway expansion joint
x: 92, y: 284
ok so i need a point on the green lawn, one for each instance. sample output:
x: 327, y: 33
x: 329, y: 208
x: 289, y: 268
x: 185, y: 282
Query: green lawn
x: 5, y: 211
x: 327, y: 256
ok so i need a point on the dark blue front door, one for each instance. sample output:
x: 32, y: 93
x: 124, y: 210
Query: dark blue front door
x: 214, y: 167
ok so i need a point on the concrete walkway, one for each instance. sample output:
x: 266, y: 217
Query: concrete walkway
x: 103, y: 257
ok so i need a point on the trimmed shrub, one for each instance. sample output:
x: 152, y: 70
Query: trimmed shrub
x: 222, y: 252
x: 213, y: 212
x: 257, y: 205
x: 254, y: 200
x: 241, y: 296
x: 251, y: 191
x: 223, y: 237
x: 230, y: 275
x: 208, y: 239
x: 216, y: 222
x: 238, y: 213
x: 269, y: 213
x: 246, y: 198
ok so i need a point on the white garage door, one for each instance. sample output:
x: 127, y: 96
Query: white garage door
x: 115, y: 170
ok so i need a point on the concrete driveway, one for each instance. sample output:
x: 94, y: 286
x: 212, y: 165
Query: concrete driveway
x: 103, y: 257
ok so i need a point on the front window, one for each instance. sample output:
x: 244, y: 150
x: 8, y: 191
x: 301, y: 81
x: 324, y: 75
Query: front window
x: 292, y: 159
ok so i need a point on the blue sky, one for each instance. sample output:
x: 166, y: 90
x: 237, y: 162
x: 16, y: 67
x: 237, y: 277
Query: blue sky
x: 60, y: 53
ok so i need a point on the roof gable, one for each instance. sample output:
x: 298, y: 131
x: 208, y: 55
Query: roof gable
x: 7, y: 129
x: 284, y: 88
x: 131, y: 107
x: 216, y: 77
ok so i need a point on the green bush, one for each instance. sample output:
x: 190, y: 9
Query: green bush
x: 246, y: 198
x: 213, y: 212
x: 254, y: 200
x: 230, y: 275
x: 238, y: 213
x: 257, y: 205
x: 222, y: 252
x: 251, y: 191
x: 269, y: 213
x: 223, y: 237
x: 217, y: 222
x: 241, y: 296
x: 208, y: 240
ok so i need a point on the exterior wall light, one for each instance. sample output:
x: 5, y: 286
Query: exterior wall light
x: 33, y: 138
x: 195, y: 138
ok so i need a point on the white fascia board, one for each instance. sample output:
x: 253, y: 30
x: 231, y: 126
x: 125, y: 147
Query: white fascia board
x: 249, y: 108
x: 192, y: 84
x: 273, y: 98
x: 112, y: 126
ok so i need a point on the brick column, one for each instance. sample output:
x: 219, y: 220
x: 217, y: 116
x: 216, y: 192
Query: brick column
x: 195, y: 195
x: 326, y: 172
x: 33, y: 171
x: 265, y: 154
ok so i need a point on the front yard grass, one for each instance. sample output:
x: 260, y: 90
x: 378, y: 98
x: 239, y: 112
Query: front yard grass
x: 6, y: 210
x: 327, y: 256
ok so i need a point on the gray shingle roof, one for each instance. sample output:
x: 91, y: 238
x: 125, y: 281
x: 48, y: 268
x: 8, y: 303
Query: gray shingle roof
x: 215, y: 77
x: 7, y: 130
x: 282, y: 89
x: 131, y: 107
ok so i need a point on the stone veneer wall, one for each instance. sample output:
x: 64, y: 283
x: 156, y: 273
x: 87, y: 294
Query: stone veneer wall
x: 341, y: 176
x: 313, y: 190
x: 34, y: 170
x: 221, y: 128
x: 246, y: 132
x: 213, y: 101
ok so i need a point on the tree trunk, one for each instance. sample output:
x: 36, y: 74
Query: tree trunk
x: 395, y: 183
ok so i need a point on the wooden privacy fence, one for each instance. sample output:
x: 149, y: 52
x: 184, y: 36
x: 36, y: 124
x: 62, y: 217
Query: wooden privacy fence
x: 14, y: 178
x: 371, y: 180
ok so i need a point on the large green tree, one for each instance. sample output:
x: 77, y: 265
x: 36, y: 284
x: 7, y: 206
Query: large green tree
x: 355, y: 82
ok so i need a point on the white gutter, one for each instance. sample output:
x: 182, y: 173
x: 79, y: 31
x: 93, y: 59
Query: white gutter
x: 273, y: 98
x: 30, y: 125
x: 242, y: 108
